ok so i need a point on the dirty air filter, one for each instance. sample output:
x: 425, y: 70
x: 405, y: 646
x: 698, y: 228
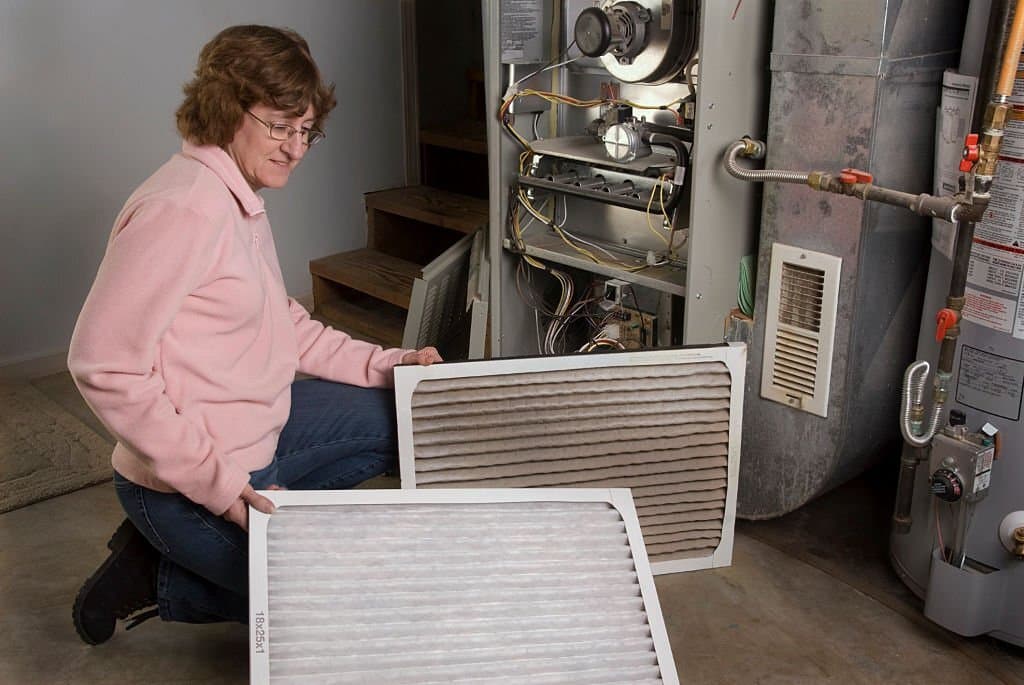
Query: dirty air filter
x: 449, y: 586
x: 665, y: 423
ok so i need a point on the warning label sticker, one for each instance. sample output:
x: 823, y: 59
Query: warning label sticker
x: 989, y: 310
x: 990, y: 383
x: 995, y: 296
x: 521, y: 31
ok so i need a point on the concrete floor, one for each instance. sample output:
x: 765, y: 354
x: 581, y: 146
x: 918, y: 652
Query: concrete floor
x: 810, y: 598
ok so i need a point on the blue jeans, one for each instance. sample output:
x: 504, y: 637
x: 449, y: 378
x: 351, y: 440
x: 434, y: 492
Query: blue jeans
x: 336, y: 437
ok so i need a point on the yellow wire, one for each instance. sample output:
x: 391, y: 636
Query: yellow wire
x: 650, y: 201
x: 528, y: 150
x: 574, y: 102
x: 568, y: 241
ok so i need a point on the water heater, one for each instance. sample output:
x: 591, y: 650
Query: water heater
x: 962, y: 549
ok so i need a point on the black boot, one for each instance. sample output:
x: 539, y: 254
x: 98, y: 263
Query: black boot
x: 124, y: 584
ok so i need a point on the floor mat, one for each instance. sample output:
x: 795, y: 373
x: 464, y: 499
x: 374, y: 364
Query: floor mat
x: 44, y: 450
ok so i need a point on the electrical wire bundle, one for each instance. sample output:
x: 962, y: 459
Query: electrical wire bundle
x: 574, y: 242
x: 565, y: 312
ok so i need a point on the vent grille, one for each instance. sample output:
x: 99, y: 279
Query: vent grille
x: 802, y: 302
x: 448, y: 592
x: 438, y: 311
x: 796, y: 361
x: 663, y: 430
x: 800, y: 297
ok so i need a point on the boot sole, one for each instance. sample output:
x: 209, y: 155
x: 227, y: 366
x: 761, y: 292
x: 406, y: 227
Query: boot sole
x: 117, y: 543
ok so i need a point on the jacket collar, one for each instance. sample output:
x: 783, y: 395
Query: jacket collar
x: 218, y: 161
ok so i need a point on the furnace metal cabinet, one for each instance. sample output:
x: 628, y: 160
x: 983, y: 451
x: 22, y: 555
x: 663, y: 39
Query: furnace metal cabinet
x: 694, y: 294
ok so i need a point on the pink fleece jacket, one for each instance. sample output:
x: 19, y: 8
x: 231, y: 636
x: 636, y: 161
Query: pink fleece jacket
x: 187, y: 344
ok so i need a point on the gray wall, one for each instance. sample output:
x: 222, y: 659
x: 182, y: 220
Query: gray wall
x: 87, y: 97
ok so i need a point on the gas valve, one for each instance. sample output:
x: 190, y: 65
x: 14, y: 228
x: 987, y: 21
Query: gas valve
x: 624, y: 143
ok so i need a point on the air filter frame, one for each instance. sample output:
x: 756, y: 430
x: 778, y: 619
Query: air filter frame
x: 260, y: 618
x: 732, y: 355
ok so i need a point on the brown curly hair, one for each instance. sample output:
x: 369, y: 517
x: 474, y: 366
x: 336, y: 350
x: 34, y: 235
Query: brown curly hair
x: 245, y: 66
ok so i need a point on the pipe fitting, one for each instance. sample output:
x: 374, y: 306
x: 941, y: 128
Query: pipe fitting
x: 991, y: 138
x: 973, y: 212
x: 1011, y: 533
x: 754, y: 149
x: 943, y: 382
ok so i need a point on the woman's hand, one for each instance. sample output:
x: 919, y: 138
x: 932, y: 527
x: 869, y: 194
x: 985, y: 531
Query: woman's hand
x: 238, y: 512
x: 424, y: 357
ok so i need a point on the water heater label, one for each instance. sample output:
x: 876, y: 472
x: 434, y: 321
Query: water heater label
x: 996, y: 296
x: 990, y: 383
x: 995, y: 269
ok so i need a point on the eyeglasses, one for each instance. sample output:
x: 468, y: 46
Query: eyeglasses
x: 282, y: 131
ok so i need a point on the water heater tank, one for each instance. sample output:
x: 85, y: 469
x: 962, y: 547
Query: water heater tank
x: 984, y: 591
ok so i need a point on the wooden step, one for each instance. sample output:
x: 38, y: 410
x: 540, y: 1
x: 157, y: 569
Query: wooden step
x: 468, y: 136
x: 366, y: 319
x: 430, y: 205
x: 368, y: 271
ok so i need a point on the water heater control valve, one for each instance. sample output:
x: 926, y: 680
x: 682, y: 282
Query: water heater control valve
x: 960, y: 465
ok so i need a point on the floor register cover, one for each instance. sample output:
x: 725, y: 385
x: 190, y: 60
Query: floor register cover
x: 454, y: 586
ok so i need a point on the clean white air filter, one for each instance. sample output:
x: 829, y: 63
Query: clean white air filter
x: 453, y: 586
x: 664, y: 423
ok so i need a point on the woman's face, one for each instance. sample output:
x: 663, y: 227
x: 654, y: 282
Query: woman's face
x: 264, y: 161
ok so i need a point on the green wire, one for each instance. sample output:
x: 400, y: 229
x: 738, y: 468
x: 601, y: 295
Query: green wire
x: 745, y: 289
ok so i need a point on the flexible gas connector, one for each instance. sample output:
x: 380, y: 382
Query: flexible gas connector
x: 755, y: 149
x: 915, y: 431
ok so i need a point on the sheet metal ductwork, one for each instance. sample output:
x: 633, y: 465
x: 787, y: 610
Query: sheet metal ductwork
x: 853, y: 84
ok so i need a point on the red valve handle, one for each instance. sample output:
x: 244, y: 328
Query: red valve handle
x: 944, y: 320
x: 971, y: 147
x: 971, y: 152
x: 849, y: 176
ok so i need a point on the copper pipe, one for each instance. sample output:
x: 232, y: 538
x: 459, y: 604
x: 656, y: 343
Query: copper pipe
x: 997, y: 110
x: 1014, y: 44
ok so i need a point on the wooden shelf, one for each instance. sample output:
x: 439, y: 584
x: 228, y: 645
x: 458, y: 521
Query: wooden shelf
x: 432, y: 206
x: 549, y: 247
x: 383, y: 325
x: 468, y: 136
x: 369, y: 271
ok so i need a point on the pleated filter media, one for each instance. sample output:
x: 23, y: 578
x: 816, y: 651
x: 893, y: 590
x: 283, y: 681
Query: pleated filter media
x: 454, y: 586
x: 664, y: 423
